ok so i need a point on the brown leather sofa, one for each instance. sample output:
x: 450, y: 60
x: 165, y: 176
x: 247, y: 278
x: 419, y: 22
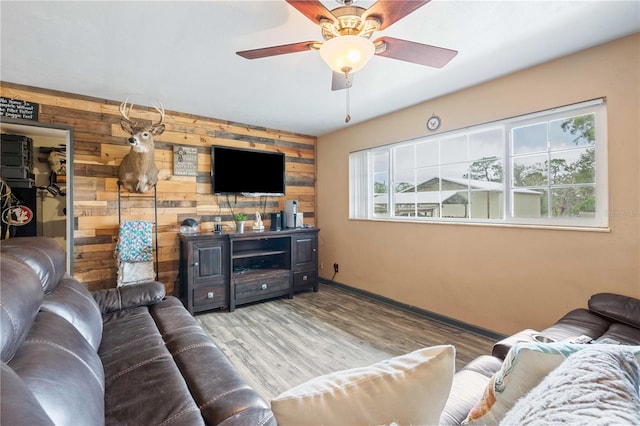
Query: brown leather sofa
x: 128, y: 355
x: 608, y: 318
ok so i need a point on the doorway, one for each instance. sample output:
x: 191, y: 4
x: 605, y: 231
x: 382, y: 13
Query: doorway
x: 52, y: 192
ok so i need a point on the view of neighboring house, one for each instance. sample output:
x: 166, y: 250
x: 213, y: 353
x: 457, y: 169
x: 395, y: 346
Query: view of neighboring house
x: 458, y: 198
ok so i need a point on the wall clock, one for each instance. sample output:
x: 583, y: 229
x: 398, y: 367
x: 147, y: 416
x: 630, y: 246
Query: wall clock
x: 433, y: 123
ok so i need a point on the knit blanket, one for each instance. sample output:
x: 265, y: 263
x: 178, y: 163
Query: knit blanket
x: 135, y: 252
x: 592, y: 386
x: 135, y: 241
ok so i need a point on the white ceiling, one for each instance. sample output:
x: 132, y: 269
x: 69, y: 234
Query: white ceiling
x: 183, y: 53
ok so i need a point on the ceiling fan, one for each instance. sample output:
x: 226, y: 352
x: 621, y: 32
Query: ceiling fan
x: 347, y: 32
x: 350, y: 20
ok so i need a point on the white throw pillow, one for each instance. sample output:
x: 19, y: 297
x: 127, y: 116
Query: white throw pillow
x: 408, y: 389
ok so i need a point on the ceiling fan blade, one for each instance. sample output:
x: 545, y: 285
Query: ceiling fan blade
x: 339, y: 81
x: 312, y: 9
x: 417, y: 53
x: 389, y: 12
x: 278, y: 50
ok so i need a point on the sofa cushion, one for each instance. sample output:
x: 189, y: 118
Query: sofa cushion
x: 62, y: 370
x: 523, y: 369
x: 214, y: 383
x: 593, y: 386
x: 617, y: 307
x: 20, y: 298
x: 143, y: 385
x: 408, y: 389
x: 620, y: 333
x: 578, y: 322
x: 73, y: 302
x: 161, y: 368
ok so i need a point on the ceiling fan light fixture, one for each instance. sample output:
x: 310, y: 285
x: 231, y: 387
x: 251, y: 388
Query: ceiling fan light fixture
x: 348, y: 52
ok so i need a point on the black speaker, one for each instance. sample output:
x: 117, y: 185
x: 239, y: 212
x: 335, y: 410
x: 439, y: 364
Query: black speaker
x: 276, y: 221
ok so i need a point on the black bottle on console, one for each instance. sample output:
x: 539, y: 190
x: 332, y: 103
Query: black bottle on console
x: 276, y: 221
x: 283, y: 216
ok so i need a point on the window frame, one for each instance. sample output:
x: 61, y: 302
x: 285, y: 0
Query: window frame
x: 599, y: 221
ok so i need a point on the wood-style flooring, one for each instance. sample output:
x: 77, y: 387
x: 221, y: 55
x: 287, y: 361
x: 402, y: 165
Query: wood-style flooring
x: 281, y: 343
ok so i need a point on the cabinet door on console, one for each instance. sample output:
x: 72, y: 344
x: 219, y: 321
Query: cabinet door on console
x: 305, y: 261
x: 209, y: 262
x: 204, y: 282
x: 305, y: 252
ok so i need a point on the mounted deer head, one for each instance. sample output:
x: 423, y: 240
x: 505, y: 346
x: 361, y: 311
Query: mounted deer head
x: 138, y: 171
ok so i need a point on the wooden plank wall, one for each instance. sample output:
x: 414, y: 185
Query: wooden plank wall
x: 99, y: 146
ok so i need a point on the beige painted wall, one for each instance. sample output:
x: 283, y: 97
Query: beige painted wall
x: 499, y: 278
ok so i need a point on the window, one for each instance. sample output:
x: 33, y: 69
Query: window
x: 546, y: 168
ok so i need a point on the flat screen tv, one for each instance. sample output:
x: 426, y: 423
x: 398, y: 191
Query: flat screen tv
x: 247, y: 172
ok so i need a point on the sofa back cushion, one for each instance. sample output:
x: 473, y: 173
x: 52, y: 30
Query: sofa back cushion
x: 73, y: 302
x: 44, y: 255
x: 62, y: 370
x: 18, y: 406
x: 20, y: 298
x: 620, y: 308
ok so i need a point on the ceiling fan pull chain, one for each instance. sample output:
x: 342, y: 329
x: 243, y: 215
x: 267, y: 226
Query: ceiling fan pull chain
x: 347, y: 77
x: 348, y: 117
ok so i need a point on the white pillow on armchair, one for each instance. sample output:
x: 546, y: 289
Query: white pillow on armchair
x: 408, y: 389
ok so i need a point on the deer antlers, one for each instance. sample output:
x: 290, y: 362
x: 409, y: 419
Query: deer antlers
x: 161, y: 111
x: 125, y: 114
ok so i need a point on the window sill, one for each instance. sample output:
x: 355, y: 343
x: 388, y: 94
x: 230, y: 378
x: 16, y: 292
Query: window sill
x: 491, y: 225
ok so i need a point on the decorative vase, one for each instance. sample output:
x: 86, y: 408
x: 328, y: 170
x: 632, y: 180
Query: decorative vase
x: 240, y: 227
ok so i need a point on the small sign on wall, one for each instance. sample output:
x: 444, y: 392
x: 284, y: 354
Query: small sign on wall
x: 15, y: 108
x: 185, y: 161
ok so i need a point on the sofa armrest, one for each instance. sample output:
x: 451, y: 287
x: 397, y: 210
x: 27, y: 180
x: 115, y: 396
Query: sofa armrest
x: 468, y: 387
x: 130, y: 296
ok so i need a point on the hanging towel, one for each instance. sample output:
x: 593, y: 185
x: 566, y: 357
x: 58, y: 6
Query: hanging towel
x: 135, y: 273
x: 135, y: 241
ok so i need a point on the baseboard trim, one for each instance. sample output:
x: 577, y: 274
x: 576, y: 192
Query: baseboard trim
x: 470, y: 328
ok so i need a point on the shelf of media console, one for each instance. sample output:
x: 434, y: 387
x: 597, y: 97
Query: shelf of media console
x: 257, y: 253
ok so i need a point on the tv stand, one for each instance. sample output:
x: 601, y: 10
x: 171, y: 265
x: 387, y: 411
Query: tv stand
x: 260, y: 267
x: 228, y: 270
